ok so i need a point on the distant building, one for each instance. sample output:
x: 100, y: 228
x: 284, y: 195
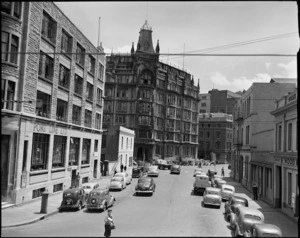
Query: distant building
x: 222, y: 100
x: 51, y: 109
x: 215, y: 137
x: 159, y: 102
x: 286, y: 183
x: 204, y: 103
x: 254, y: 136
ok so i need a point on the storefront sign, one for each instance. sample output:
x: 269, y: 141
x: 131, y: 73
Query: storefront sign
x: 52, y: 129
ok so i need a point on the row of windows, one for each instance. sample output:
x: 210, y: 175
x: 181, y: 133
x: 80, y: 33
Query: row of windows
x: 219, y: 125
x: 292, y: 136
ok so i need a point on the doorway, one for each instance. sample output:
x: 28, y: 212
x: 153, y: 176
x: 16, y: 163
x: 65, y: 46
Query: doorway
x: 95, y: 168
x: 4, y: 167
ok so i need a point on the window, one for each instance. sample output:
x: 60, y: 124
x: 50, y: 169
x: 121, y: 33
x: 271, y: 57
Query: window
x: 43, y: 104
x: 88, y: 118
x: 62, y: 110
x: 64, y: 77
x: 101, y: 70
x: 96, y: 146
x: 12, y: 8
x: 40, y: 148
x: 8, y: 94
x: 78, y: 83
x: 66, y: 43
x: 247, y: 135
x: 37, y: 192
x: 74, y: 151
x: 201, y: 134
x: 48, y: 28
x: 91, y: 67
x: 86, y: 151
x: 9, y: 47
x: 145, y: 78
x: 98, y: 121
x: 218, y: 134
x: 59, y: 151
x: 207, y: 134
x: 99, y: 96
x: 57, y: 187
x: 89, y: 91
x: 80, y: 53
x: 289, y: 136
x: 46, y: 66
x: 279, y: 139
x: 203, y: 104
x: 76, y: 115
x: 218, y: 145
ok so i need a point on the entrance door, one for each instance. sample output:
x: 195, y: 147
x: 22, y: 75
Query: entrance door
x: 95, y: 168
x: 4, y: 166
x: 73, y: 180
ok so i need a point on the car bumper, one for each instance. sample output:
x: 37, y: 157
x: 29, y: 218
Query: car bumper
x: 115, y: 187
x: 94, y: 207
x: 212, y: 203
x: 68, y: 206
x: 175, y: 171
x: 153, y: 174
x: 144, y: 191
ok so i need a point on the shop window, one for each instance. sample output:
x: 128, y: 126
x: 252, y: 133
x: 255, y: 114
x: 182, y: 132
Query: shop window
x: 40, y: 149
x: 37, y: 192
x: 89, y: 91
x: 80, y: 53
x: 46, y: 66
x: 86, y: 147
x: 88, y: 118
x: 9, y: 47
x: 76, y: 115
x: 62, y: 109
x: 57, y: 187
x: 48, y: 28
x: 66, y: 43
x: 59, y: 151
x: 74, y: 151
x: 43, y: 104
x: 12, y: 8
x: 78, y: 84
x: 64, y: 77
x: 8, y: 94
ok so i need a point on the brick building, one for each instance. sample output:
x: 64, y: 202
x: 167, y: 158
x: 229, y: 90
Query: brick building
x: 51, y: 102
x: 159, y: 102
x: 222, y: 100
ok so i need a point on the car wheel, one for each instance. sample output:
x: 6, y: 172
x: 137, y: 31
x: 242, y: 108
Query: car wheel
x: 79, y: 206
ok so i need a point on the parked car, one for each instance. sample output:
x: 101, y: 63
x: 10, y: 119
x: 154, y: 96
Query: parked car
x: 245, y: 217
x: 117, y: 183
x: 219, y: 183
x: 197, y: 171
x: 145, y: 185
x: 227, y: 191
x: 201, y: 182
x: 126, y: 177
x: 137, y: 172
x: 263, y: 230
x: 100, y: 198
x: 87, y: 187
x: 234, y: 200
x: 214, y: 180
x: 212, y: 196
x: 153, y: 171
x: 73, y: 198
x: 175, y: 169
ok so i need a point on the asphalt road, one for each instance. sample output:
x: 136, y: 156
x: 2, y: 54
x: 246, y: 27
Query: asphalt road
x: 173, y: 210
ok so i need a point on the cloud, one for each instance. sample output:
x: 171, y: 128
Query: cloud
x: 289, y: 70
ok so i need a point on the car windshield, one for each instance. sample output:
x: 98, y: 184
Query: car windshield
x: 240, y: 202
x: 228, y: 189
x: 145, y: 181
x: 213, y: 192
x: 118, y: 175
x: 116, y: 179
x: 101, y: 194
x: 253, y: 217
x: 86, y: 186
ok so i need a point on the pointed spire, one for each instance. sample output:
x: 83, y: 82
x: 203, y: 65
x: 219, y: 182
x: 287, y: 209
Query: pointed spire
x: 132, y: 48
x: 157, y: 47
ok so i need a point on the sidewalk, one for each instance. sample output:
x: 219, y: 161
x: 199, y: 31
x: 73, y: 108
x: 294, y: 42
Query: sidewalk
x: 29, y: 212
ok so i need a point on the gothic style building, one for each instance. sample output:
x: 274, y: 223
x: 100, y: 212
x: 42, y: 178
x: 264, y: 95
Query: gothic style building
x: 158, y: 101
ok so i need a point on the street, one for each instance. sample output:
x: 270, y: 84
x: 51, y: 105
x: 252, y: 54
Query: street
x: 173, y: 210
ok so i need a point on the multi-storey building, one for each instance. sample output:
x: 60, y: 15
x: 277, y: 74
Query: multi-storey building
x: 285, y: 176
x: 215, y: 137
x: 159, y: 102
x: 51, y: 102
x: 222, y: 100
x: 204, y: 106
x: 254, y: 136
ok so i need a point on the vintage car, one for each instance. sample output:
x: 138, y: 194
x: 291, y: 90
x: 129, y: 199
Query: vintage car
x: 263, y: 230
x: 245, y: 217
x: 145, y: 185
x: 87, y: 187
x: 234, y: 200
x: 137, y: 172
x: 214, y: 180
x: 212, y: 196
x: 100, y: 198
x: 197, y: 171
x: 153, y: 171
x: 73, y: 198
x: 126, y: 177
x: 175, y: 169
x: 219, y: 183
x: 201, y: 182
x: 227, y: 191
x: 117, y: 183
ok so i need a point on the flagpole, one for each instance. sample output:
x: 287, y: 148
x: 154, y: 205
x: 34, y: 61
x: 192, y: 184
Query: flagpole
x: 98, y: 32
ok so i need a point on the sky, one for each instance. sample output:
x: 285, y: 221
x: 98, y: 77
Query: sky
x: 194, y: 27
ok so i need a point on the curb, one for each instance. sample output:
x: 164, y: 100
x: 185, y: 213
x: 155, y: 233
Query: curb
x: 31, y: 221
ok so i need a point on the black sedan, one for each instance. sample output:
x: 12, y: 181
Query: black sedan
x: 145, y: 185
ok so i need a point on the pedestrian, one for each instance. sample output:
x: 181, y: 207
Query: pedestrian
x: 108, y: 223
x: 122, y: 166
x: 222, y: 172
x: 255, y: 190
x: 125, y: 168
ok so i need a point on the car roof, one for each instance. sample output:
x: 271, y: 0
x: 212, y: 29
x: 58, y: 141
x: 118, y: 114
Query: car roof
x: 239, y: 198
x: 266, y: 228
x: 249, y: 210
x: 227, y: 186
x: 221, y: 181
x: 212, y: 189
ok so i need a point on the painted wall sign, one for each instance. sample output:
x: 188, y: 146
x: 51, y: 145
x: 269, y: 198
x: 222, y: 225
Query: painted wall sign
x: 52, y: 129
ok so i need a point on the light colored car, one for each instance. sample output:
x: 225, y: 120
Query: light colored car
x: 88, y: 187
x: 227, y: 191
x: 127, y: 177
x: 153, y: 171
x: 201, y: 182
x: 117, y: 183
x: 198, y: 171
x: 245, y: 217
x: 219, y: 183
x: 234, y: 201
x: 263, y: 230
x: 212, y: 196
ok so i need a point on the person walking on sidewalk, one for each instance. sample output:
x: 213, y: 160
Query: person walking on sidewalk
x: 222, y: 172
x: 108, y: 223
x: 255, y: 190
x: 121, y: 167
